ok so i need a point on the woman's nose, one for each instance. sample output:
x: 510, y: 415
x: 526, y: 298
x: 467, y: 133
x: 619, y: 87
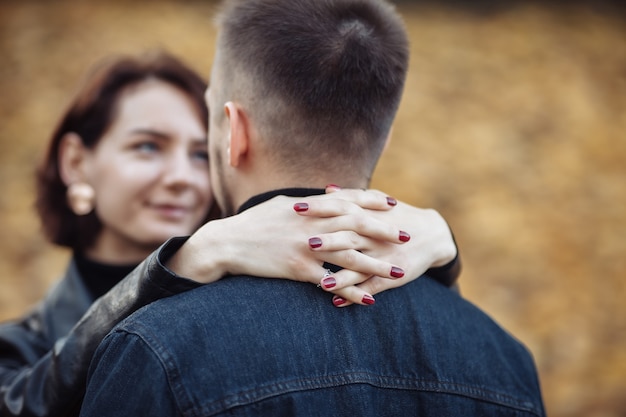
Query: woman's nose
x: 179, y: 172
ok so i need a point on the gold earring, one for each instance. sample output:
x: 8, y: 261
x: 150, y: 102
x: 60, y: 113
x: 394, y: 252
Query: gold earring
x: 81, y: 197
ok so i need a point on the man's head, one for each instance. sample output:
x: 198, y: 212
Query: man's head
x: 302, y: 93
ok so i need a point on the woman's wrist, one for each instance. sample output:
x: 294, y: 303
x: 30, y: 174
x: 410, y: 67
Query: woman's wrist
x: 205, y: 256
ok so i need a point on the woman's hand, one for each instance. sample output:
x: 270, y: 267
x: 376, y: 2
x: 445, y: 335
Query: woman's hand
x: 431, y: 245
x: 292, y: 238
x: 273, y: 240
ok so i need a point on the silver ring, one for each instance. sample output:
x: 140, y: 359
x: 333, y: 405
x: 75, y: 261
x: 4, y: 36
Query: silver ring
x: 327, y: 273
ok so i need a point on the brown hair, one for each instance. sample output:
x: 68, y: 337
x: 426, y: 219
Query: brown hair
x: 327, y: 75
x: 89, y: 115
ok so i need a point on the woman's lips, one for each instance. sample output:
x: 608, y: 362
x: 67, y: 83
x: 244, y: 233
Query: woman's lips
x: 170, y: 211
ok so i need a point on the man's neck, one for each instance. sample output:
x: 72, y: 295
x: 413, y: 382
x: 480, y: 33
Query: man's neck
x: 249, y: 184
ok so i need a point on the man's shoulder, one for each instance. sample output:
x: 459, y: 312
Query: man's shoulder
x: 229, y: 298
x: 249, y: 302
x: 421, y: 336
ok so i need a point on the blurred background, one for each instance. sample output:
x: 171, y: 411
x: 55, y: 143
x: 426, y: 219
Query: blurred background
x: 513, y: 126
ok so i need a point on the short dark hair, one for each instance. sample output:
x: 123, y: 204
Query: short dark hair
x: 328, y: 75
x: 89, y: 115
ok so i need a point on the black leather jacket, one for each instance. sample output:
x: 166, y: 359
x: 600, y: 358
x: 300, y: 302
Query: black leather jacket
x: 45, y: 356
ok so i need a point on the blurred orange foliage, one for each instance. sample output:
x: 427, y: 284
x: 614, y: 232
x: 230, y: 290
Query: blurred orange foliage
x: 513, y: 125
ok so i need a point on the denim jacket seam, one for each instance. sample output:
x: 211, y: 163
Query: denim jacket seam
x: 181, y: 397
x: 278, y: 388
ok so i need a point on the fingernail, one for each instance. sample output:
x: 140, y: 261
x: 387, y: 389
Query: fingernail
x: 301, y: 207
x: 404, y: 236
x: 368, y: 299
x: 338, y: 301
x: 329, y: 282
x: 336, y: 187
x: 315, y: 242
x: 396, y: 272
x: 392, y: 201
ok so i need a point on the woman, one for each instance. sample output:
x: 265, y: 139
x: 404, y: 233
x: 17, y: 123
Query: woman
x: 127, y: 169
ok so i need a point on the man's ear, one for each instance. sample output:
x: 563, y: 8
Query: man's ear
x: 239, y: 137
x: 72, y: 154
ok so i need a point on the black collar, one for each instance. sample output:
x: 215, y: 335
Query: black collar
x: 289, y: 192
x: 100, y: 277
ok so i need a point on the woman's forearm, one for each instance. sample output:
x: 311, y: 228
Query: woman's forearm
x: 36, y: 382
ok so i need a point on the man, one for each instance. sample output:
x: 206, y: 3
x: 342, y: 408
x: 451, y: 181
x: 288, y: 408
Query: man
x: 304, y: 94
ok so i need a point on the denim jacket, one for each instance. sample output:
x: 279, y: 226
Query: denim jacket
x: 255, y: 347
x: 246, y: 346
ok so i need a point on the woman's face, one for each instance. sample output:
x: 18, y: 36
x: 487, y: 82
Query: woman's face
x: 149, y: 171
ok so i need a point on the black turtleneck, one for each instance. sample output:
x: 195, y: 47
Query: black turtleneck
x: 99, y: 277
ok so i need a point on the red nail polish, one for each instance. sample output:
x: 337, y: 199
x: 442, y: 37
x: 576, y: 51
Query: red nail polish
x: 368, y: 299
x: 338, y: 301
x: 396, y: 272
x: 329, y: 282
x: 335, y: 186
x: 404, y: 236
x: 301, y: 207
x: 392, y: 201
x: 315, y: 242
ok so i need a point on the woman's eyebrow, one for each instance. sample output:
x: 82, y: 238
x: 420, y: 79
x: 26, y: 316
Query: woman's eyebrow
x: 201, y: 140
x: 151, y: 132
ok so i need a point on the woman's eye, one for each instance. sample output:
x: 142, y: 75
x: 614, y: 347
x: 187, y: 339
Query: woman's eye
x: 201, y: 155
x: 147, y: 147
